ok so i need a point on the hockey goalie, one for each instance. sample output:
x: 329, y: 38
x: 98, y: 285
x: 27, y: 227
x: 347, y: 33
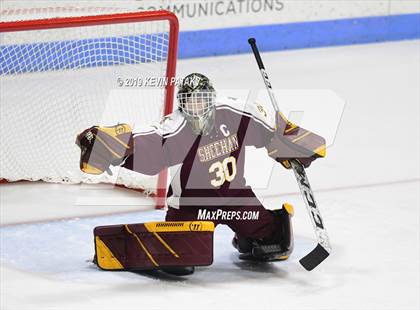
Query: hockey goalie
x: 203, y: 142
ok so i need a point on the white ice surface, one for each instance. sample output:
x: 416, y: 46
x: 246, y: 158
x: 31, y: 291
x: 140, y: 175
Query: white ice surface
x: 367, y: 189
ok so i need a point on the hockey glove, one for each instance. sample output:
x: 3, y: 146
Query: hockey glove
x: 102, y: 147
x: 293, y: 142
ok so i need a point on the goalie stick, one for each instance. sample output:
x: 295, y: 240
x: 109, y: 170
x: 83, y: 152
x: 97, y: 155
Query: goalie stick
x: 323, y: 248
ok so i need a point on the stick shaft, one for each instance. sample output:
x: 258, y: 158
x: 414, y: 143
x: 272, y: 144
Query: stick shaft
x: 264, y: 74
x: 323, y: 248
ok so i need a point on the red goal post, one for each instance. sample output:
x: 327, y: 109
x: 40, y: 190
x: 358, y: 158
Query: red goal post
x: 169, y: 51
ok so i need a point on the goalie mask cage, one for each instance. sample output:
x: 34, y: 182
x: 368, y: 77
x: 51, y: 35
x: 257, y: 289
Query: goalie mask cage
x: 62, y: 75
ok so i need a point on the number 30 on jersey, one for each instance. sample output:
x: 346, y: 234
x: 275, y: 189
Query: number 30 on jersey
x: 225, y: 171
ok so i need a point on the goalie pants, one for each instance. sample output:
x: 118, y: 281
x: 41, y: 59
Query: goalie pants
x: 252, y: 221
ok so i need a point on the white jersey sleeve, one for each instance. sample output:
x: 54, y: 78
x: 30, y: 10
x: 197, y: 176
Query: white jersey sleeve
x: 257, y: 111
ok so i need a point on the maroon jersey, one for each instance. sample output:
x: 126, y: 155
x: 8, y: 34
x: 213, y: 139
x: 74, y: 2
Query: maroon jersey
x: 204, y: 170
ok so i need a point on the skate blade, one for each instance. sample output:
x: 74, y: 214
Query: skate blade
x: 267, y: 258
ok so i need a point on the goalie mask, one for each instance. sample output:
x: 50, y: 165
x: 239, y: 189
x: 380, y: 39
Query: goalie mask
x: 196, y: 100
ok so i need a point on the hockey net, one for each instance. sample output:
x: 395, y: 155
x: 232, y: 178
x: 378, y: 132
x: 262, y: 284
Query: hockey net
x: 59, y: 76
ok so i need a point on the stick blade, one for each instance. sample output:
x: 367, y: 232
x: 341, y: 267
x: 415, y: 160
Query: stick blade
x: 314, y: 258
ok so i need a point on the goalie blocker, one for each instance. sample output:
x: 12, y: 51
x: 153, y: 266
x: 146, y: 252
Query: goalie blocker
x: 154, y: 245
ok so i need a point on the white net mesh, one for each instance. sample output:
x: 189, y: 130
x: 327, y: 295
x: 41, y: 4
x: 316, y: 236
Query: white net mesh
x: 57, y: 82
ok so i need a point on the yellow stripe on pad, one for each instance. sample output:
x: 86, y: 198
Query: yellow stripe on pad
x: 86, y: 168
x: 117, y: 130
x: 104, y: 256
x: 108, y: 148
x: 142, y: 246
x: 301, y: 137
x: 179, y: 226
x: 165, y: 245
x: 289, y: 208
x: 284, y: 117
x: 321, y: 151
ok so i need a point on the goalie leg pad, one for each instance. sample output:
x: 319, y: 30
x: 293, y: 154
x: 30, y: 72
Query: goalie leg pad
x: 154, y: 245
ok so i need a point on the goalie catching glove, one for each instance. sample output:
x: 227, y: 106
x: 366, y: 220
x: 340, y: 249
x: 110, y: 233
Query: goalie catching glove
x: 293, y: 142
x: 102, y: 147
